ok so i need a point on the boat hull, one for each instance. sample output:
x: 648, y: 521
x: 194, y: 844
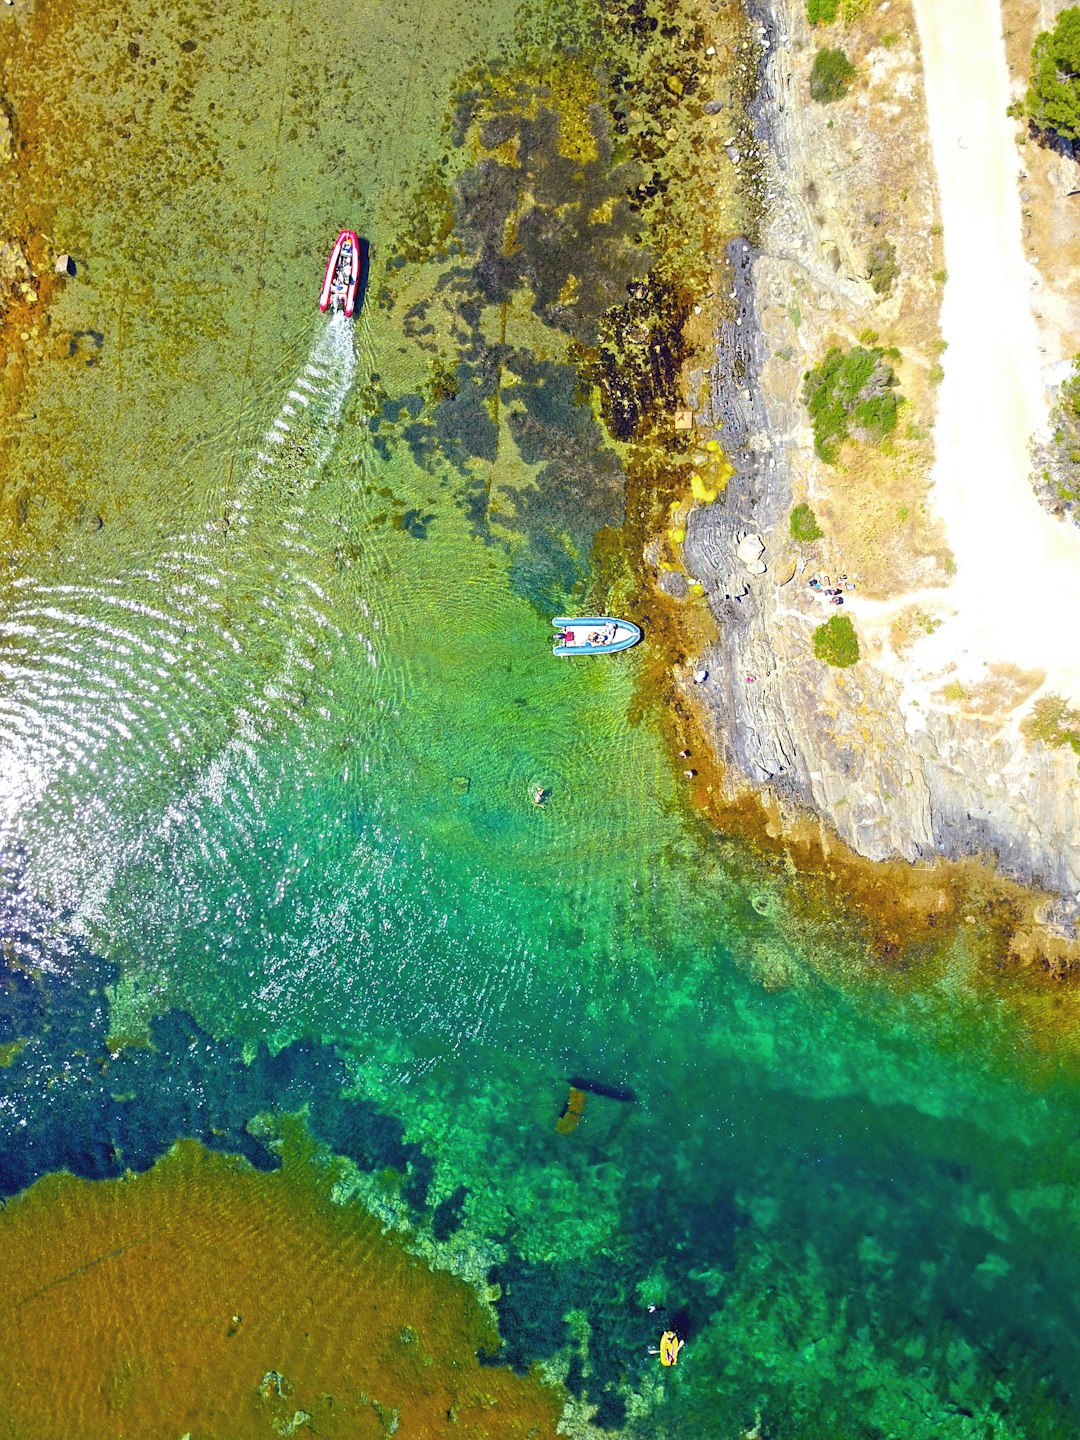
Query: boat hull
x: 352, y: 276
x: 587, y: 632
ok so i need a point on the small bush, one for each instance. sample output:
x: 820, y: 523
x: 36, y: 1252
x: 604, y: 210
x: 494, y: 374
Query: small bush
x: 876, y: 417
x: 881, y: 267
x: 1054, y: 722
x: 1058, y: 482
x: 830, y: 76
x: 836, y: 643
x: 850, y: 394
x: 822, y: 12
x: 804, y: 526
x: 1069, y: 395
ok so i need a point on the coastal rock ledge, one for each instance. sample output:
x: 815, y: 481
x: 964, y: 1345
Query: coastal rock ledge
x: 893, y: 769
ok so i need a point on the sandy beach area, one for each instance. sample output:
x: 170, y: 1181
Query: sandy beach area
x: 1017, y: 589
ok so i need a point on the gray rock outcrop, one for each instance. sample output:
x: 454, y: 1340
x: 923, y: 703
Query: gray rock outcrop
x: 892, y: 776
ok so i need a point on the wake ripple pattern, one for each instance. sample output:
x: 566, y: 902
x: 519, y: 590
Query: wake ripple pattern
x: 152, y: 690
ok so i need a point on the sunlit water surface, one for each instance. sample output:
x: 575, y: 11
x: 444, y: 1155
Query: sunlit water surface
x: 267, y: 738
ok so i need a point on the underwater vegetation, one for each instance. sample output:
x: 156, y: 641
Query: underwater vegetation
x: 122, y: 1101
x: 547, y: 270
x: 213, y: 1255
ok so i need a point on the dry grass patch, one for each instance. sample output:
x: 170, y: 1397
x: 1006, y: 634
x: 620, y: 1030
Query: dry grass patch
x: 1004, y: 688
x: 912, y: 624
x: 875, y: 505
x: 878, y: 514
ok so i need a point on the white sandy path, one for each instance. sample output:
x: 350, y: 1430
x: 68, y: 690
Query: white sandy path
x: 1017, y: 588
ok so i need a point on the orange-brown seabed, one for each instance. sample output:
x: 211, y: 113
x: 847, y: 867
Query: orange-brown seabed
x: 208, y: 1299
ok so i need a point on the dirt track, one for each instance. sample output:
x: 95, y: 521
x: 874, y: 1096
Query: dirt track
x: 1017, y: 589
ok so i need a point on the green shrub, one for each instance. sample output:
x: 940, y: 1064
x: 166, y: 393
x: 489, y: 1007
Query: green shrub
x: 804, y: 526
x: 881, y: 266
x: 822, y: 12
x: 1053, y: 722
x: 1069, y: 395
x: 1058, y: 485
x: 877, y: 416
x: 830, y: 75
x: 836, y: 643
x: 1052, y: 102
x: 850, y: 391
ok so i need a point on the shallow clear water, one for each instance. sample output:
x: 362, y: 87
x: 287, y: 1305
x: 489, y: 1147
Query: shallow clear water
x: 267, y: 737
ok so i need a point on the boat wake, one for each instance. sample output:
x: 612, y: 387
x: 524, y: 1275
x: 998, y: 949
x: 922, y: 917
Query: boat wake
x: 156, y: 690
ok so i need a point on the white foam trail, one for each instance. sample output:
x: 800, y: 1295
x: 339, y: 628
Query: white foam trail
x: 109, y: 684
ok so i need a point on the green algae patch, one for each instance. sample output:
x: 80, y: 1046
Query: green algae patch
x: 204, y: 1289
x: 10, y: 1052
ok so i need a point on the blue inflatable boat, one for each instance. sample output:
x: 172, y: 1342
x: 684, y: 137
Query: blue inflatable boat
x: 593, y: 635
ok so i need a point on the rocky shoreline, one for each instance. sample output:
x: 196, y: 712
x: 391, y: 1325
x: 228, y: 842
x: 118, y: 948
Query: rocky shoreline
x: 860, y: 747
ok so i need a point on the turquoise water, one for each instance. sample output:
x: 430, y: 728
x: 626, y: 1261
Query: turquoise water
x: 268, y: 735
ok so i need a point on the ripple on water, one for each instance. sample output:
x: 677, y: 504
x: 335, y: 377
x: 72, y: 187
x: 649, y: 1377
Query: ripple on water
x: 158, y: 688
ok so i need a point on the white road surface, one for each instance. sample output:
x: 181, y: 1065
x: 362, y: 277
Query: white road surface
x: 1017, y: 587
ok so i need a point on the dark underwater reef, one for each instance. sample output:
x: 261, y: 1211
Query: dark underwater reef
x: 70, y: 1102
x: 778, y: 1221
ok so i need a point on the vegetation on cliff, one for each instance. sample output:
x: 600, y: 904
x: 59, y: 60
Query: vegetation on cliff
x: 881, y: 266
x: 830, y: 75
x: 1052, y: 103
x: 836, y: 643
x: 804, y: 525
x: 824, y: 12
x: 1054, y: 722
x: 1058, y: 477
x: 850, y: 395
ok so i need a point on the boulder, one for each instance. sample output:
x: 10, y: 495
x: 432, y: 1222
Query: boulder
x: 750, y: 548
x: 65, y: 265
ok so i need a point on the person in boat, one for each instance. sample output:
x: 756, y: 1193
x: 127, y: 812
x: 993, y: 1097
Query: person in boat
x: 670, y: 1345
x: 672, y: 1337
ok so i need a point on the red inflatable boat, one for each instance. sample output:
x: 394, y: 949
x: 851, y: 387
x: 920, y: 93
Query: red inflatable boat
x: 342, y: 274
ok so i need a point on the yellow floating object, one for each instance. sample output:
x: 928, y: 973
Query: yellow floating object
x: 570, y: 1118
x: 670, y: 1345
